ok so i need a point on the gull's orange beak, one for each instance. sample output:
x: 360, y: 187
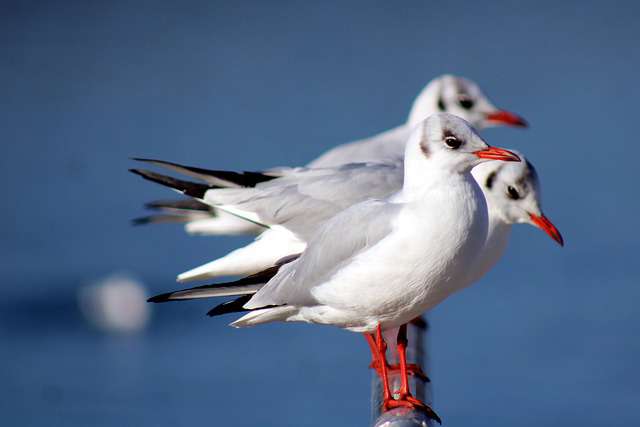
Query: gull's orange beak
x: 502, y: 117
x: 544, y: 224
x: 495, y: 153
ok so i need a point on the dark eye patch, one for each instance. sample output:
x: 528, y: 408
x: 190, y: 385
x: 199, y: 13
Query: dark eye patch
x: 466, y: 102
x: 452, y: 142
x: 512, y: 193
x: 441, y: 106
x: 489, y: 182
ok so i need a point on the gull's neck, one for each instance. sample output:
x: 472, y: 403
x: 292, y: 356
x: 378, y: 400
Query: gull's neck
x: 498, y: 233
x: 430, y: 179
x: 424, y: 105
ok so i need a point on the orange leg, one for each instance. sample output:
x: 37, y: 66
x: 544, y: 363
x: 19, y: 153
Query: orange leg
x: 405, y: 398
x: 378, y: 352
x: 412, y: 368
x: 382, y: 362
x: 402, y: 355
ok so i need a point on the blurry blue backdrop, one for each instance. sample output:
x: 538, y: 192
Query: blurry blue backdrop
x: 550, y: 337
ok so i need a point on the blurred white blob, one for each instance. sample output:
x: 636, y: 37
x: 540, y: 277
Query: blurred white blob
x: 115, y: 304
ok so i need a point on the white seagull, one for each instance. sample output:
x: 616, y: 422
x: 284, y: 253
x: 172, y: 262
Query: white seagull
x: 296, y: 205
x: 381, y: 263
x: 293, y: 206
x: 513, y: 196
x: 447, y: 93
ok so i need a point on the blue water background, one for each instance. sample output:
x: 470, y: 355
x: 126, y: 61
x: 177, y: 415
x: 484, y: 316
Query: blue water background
x: 549, y: 338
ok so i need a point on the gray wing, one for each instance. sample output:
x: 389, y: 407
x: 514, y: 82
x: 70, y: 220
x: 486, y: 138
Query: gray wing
x: 382, y: 147
x: 336, y: 243
x: 304, y: 199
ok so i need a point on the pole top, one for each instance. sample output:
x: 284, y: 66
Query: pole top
x: 403, y: 417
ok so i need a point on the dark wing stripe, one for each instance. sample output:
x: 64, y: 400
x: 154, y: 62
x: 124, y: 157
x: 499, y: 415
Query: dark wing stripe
x: 185, y: 204
x: 160, y: 219
x: 246, y: 285
x: 189, y: 188
x: 206, y: 291
x: 237, y: 305
x: 243, y: 179
x: 234, y: 306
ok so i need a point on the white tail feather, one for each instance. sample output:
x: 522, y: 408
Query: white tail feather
x: 264, y: 315
x: 262, y: 253
x: 223, y: 223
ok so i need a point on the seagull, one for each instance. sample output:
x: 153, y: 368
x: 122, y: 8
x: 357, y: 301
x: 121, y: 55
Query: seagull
x: 512, y: 192
x: 446, y: 93
x: 381, y: 263
x: 292, y: 207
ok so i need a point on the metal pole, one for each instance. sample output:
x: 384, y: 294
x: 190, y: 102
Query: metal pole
x: 401, y: 417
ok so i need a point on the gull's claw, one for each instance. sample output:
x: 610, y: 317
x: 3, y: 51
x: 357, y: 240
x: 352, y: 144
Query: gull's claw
x: 412, y: 403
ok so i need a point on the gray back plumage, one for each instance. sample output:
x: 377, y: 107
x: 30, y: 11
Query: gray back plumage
x: 362, y: 226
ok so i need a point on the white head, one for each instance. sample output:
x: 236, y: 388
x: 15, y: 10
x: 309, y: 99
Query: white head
x: 448, y: 142
x: 512, y: 191
x: 463, y: 98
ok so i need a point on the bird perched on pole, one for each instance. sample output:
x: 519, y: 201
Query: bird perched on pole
x: 380, y: 263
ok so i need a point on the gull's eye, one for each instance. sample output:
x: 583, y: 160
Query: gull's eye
x: 512, y: 193
x: 465, y: 102
x: 452, y: 142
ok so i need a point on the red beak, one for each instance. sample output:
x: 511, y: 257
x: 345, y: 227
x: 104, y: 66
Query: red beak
x: 502, y: 117
x: 495, y: 153
x: 544, y: 224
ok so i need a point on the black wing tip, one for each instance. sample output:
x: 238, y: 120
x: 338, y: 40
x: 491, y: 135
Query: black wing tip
x: 218, y: 310
x: 189, y: 188
x: 149, y: 160
x: 185, y: 204
x: 143, y: 220
x: 155, y: 205
x: 233, y: 306
x: 244, y: 179
x: 166, y: 297
x: 215, y: 311
x: 159, y: 219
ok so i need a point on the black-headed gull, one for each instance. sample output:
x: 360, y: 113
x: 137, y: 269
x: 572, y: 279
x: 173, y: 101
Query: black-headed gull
x: 512, y: 192
x: 295, y: 205
x: 380, y: 263
x: 447, y: 93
